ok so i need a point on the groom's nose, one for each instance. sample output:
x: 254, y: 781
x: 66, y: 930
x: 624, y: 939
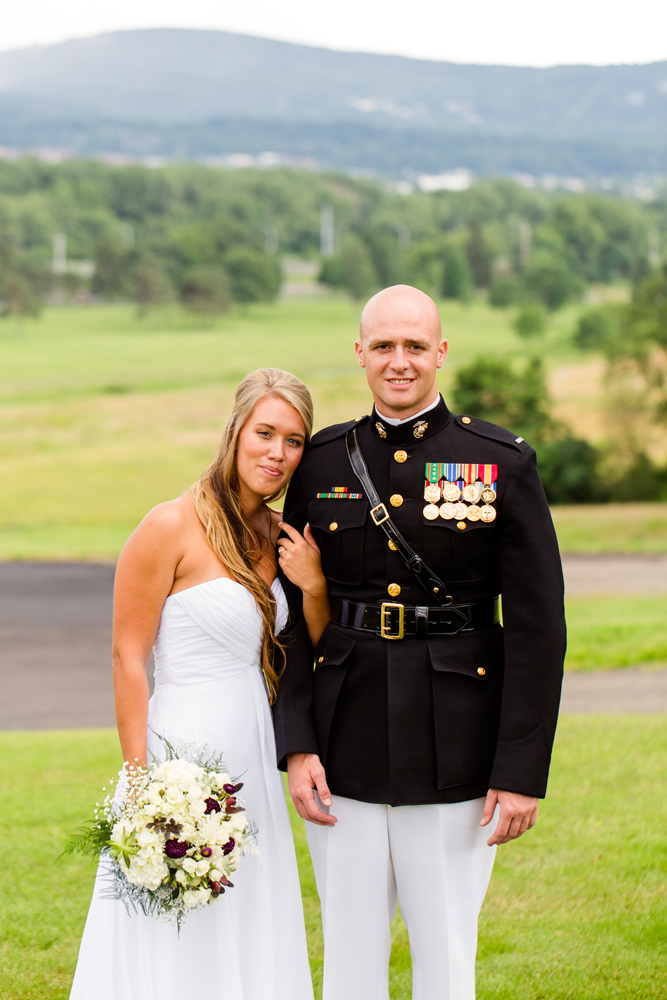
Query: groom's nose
x: 399, y: 360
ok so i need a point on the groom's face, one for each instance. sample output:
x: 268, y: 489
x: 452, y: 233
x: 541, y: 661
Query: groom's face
x: 401, y: 356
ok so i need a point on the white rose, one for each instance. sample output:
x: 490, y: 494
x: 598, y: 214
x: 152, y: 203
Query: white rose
x: 215, y: 875
x: 201, y: 868
x: 190, y: 898
x: 181, y: 877
x: 239, y: 822
x: 189, y: 866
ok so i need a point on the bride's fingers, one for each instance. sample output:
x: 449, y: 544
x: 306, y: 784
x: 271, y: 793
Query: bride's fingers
x: 308, y: 535
x: 291, y: 532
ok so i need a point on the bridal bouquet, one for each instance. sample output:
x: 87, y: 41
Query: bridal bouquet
x: 171, y: 834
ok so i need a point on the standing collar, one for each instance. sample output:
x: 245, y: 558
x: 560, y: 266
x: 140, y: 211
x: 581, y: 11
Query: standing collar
x: 415, y: 428
x: 394, y: 422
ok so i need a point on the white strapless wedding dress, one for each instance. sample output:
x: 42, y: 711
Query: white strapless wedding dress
x: 251, y: 943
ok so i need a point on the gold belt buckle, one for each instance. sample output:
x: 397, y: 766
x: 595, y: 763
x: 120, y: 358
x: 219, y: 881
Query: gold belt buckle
x: 380, y: 519
x: 385, y: 610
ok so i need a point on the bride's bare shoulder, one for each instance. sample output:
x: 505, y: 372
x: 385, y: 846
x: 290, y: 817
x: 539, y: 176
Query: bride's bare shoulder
x: 168, y: 522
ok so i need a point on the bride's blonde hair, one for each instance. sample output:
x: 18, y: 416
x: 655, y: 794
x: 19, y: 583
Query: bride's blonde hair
x: 235, y: 541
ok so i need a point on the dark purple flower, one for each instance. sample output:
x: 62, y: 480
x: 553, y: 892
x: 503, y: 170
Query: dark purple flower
x: 176, y: 848
x: 233, y: 789
x: 206, y: 852
x: 229, y: 846
x: 212, y: 806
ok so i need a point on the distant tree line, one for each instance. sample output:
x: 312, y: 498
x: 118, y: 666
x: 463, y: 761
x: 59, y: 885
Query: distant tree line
x: 211, y: 237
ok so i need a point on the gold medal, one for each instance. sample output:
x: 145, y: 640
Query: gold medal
x: 451, y: 492
x: 460, y: 511
x: 447, y: 511
x: 488, y: 495
x: 431, y: 512
x: 474, y: 512
x: 471, y: 493
x: 487, y: 513
x: 432, y: 492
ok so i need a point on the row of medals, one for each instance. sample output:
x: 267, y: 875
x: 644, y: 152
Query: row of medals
x: 455, y: 508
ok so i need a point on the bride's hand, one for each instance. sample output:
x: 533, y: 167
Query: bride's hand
x: 300, y: 560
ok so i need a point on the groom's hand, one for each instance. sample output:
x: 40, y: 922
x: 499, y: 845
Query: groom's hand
x: 305, y: 774
x: 517, y: 813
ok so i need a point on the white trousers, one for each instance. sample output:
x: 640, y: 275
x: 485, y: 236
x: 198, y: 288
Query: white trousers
x: 435, y: 860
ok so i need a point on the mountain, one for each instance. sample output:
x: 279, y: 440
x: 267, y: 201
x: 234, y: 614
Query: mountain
x: 175, y: 75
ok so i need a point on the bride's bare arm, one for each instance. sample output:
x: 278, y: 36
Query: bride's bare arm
x: 299, y: 558
x: 144, y: 578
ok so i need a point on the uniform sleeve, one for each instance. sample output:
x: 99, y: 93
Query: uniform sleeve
x: 292, y: 718
x: 534, y: 633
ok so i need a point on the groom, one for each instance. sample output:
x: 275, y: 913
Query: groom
x: 423, y: 726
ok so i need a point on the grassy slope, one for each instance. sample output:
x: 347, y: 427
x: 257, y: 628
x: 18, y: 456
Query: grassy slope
x: 575, y: 909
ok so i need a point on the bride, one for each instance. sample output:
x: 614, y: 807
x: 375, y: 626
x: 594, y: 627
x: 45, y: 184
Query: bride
x: 197, y: 582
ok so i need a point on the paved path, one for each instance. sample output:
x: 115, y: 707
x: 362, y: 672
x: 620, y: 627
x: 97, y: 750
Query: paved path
x: 616, y: 574
x: 55, y: 639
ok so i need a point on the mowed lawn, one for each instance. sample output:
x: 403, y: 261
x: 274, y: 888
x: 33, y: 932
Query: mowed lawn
x: 576, y: 909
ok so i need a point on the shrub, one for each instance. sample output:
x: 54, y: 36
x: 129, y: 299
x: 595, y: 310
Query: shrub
x: 531, y: 321
x: 594, y: 329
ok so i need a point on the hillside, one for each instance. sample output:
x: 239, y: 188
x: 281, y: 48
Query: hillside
x: 171, y: 75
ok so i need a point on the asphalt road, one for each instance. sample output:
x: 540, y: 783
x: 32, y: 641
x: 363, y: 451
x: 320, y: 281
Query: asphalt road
x: 55, y: 640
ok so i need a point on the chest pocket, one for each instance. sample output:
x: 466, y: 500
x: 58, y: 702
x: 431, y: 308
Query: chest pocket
x: 468, y: 553
x: 338, y: 528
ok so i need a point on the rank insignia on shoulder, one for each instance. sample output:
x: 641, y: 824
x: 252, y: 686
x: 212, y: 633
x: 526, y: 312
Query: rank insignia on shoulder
x: 339, y: 493
x: 455, y: 482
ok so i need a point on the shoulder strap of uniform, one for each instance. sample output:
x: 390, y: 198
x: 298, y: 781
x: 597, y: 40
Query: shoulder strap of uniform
x: 429, y: 580
x: 492, y: 431
x: 334, y: 431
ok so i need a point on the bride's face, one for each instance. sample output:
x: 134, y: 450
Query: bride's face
x: 270, y: 446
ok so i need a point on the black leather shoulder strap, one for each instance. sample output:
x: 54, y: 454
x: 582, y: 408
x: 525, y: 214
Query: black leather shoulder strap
x: 429, y: 580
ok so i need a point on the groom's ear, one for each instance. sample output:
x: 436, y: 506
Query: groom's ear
x: 359, y: 351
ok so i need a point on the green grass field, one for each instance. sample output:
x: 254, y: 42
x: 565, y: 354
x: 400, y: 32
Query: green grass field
x: 104, y: 415
x: 576, y: 909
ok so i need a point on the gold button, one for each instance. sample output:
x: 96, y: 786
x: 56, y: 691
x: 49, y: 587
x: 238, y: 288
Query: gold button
x: 400, y: 456
x: 396, y: 500
x: 333, y: 526
x: 465, y: 420
x: 392, y: 546
x: 461, y: 525
x: 481, y: 671
x: 393, y: 590
x: 320, y: 659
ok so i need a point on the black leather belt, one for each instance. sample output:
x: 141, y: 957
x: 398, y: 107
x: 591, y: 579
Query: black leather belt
x: 394, y: 621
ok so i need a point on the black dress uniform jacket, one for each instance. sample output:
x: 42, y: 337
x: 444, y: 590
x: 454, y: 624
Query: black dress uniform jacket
x: 440, y: 718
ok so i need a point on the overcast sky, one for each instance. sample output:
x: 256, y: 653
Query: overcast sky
x: 516, y: 32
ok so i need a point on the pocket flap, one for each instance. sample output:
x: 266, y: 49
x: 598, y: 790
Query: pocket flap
x: 333, y: 648
x: 332, y: 516
x: 476, y: 655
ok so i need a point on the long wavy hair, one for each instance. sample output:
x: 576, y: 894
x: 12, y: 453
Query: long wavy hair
x: 235, y: 541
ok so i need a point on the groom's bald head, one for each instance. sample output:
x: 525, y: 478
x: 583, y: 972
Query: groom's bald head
x: 400, y: 345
